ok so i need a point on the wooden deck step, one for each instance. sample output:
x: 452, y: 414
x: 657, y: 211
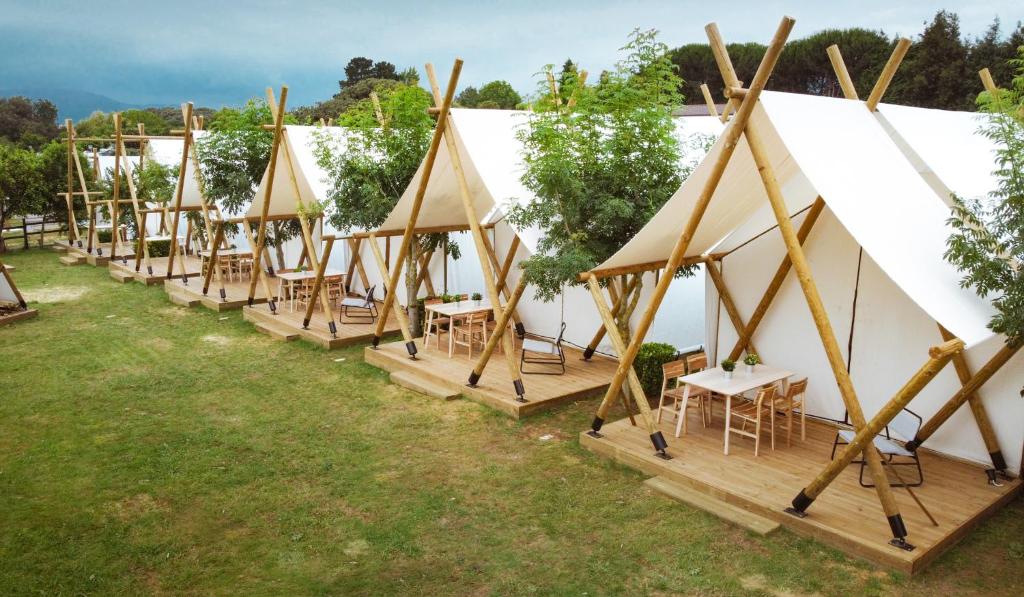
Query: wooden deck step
x: 276, y: 331
x: 121, y: 276
x: 183, y: 300
x: 724, y: 510
x: 411, y: 381
x: 72, y: 259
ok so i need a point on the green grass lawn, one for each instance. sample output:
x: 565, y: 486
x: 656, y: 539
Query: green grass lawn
x: 149, y: 448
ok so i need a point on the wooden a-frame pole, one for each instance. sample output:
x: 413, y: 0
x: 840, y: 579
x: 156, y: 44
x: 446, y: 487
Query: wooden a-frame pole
x: 501, y: 322
x: 818, y: 313
x: 480, y: 240
x: 709, y: 101
x: 261, y: 235
x: 73, y: 233
x: 730, y: 140
x: 142, y: 247
x: 186, y: 111
x: 730, y: 306
x: 115, y: 215
x: 317, y: 284
x: 409, y: 234
x: 382, y: 265
x: 357, y: 263
x: 501, y: 275
x: 618, y: 301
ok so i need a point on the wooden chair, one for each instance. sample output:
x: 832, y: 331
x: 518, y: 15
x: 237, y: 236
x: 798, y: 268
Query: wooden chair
x: 755, y: 412
x: 437, y: 325
x: 304, y: 292
x: 673, y: 397
x: 334, y: 286
x: 245, y: 267
x: 787, y: 404
x: 468, y: 330
x: 545, y: 352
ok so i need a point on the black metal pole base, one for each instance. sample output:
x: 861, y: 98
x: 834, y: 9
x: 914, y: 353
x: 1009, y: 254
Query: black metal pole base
x: 899, y: 532
x: 149, y: 270
x: 410, y: 347
x: 998, y: 462
x: 305, y: 324
x: 333, y: 328
x: 660, y: 446
x: 520, y: 390
x: 520, y: 329
x: 375, y: 342
x: 250, y: 301
x: 473, y: 378
x: 993, y: 477
x: 595, y: 427
x: 223, y: 295
x: 588, y: 353
x: 273, y: 306
x: 901, y: 543
x: 800, y: 504
x: 184, y: 279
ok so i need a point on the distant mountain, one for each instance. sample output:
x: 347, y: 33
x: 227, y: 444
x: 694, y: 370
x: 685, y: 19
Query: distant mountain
x: 72, y: 103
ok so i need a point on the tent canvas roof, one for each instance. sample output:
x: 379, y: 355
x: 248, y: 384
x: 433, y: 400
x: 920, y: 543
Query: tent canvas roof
x: 167, y: 152
x: 311, y: 181
x: 492, y: 160
x: 837, y: 149
x: 7, y: 294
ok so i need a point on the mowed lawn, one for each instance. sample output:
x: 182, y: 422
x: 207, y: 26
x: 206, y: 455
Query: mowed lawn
x: 149, y: 448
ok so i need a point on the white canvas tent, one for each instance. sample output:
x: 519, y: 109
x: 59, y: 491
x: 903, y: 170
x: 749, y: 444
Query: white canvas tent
x: 491, y: 156
x: 883, y: 302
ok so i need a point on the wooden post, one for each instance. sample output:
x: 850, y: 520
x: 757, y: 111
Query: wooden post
x: 618, y: 301
x: 709, y: 101
x: 730, y: 141
x: 261, y: 235
x: 186, y: 112
x: 115, y: 228
x: 357, y: 262
x: 266, y: 257
x: 142, y: 250
x: 400, y: 314
x: 481, y: 245
x: 988, y: 433
x: 938, y: 357
x: 1005, y: 353
x: 410, y: 226
x: 730, y: 306
x: 212, y: 261
x: 317, y: 284
x: 72, y: 150
x: 501, y: 323
x: 902, y: 45
x: 639, y: 396
x: 776, y: 283
x: 502, y: 273
x: 838, y: 65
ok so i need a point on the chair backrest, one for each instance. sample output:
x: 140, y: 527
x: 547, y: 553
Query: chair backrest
x: 765, y: 394
x: 696, y: 362
x: 906, y: 423
x: 673, y: 370
x: 797, y: 388
x: 369, y: 295
x: 561, y: 333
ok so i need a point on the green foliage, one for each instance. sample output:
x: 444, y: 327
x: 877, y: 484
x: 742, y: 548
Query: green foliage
x: 601, y: 171
x: 728, y: 365
x: 988, y: 242
x: 97, y: 124
x: 152, y: 123
x: 345, y: 100
x: 649, y: 359
x: 29, y: 123
x: 751, y: 359
x: 234, y: 154
x: 155, y: 182
x: 22, y: 188
x: 496, y: 95
x: 159, y: 248
x: 361, y: 68
x: 104, y: 236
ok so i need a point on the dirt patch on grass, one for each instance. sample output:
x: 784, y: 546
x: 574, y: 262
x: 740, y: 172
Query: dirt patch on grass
x: 56, y: 294
x: 757, y: 582
x: 217, y: 340
x: 136, y: 506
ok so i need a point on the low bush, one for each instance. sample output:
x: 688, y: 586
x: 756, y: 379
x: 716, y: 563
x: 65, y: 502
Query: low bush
x: 649, y: 359
x: 104, y: 236
x: 159, y: 248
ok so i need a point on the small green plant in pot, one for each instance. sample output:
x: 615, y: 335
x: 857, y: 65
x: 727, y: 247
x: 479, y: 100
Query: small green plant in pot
x: 477, y: 297
x: 750, y: 360
x: 728, y: 366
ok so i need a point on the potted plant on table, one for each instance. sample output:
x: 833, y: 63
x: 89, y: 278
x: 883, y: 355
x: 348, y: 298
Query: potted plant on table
x: 728, y: 366
x: 750, y: 360
x: 477, y: 297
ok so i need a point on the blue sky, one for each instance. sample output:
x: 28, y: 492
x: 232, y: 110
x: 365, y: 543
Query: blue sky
x: 217, y: 53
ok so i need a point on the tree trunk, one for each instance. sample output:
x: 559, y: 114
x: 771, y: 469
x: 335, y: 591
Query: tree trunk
x: 411, y: 275
x: 279, y: 247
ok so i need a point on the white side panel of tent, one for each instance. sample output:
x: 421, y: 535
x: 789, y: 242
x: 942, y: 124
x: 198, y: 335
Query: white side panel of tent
x: 6, y: 292
x: 166, y: 152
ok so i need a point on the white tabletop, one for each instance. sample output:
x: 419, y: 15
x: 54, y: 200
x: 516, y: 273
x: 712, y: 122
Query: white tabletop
x: 714, y: 379
x: 461, y: 308
x: 308, y: 274
x: 227, y: 252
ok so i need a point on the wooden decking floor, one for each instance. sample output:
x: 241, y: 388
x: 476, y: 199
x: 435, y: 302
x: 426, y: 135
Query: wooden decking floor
x: 236, y: 294
x: 349, y: 331
x: 846, y: 515
x: 582, y: 379
x: 193, y: 266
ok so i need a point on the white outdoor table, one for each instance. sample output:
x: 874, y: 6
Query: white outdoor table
x: 227, y: 253
x: 292, y: 277
x: 714, y: 381
x: 453, y: 310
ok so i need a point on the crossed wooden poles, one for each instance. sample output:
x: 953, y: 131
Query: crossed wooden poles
x: 485, y: 250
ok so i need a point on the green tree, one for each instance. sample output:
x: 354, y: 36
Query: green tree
x: 988, y: 242
x: 468, y: 97
x: 805, y: 67
x: 153, y: 124
x: 936, y: 72
x: 98, y: 124
x: 601, y: 170
x: 498, y: 95
x: 22, y: 188
x: 343, y: 101
x: 361, y: 68
x: 375, y: 166
x: 30, y: 123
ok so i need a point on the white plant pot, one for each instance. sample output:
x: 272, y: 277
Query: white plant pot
x: 750, y: 369
x: 476, y: 302
x: 727, y: 374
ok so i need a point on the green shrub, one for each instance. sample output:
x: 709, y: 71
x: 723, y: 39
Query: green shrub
x: 159, y: 248
x: 649, y: 359
x: 104, y: 236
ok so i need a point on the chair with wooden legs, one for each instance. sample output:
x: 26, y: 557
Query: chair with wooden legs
x: 303, y: 292
x: 787, y: 404
x: 437, y: 325
x: 244, y: 267
x: 334, y: 286
x: 467, y: 331
x: 674, y: 398
x: 755, y: 412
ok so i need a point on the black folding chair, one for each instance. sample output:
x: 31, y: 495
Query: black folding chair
x: 545, y: 352
x: 366, y: 307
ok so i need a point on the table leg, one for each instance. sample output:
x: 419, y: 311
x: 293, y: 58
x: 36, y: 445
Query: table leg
x: 682, y: 412
x: 728, y: 413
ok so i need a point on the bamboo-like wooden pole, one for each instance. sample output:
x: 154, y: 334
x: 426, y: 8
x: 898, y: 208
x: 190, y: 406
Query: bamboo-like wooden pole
x: 480, y: 240
x: 318, y: 283
x: 730, y: 306
x: 938, y: 357
x: 400, y: 314
x: 988, y: 433
x: 358, y: 259
x: 142, y: 247
x: 73, y: 234
x: 115, y: 227
x: 266, y: 258
x: 888, y: 72
x: 421, y: 190
x: 555, y: 97
x: 500, y: 282
x: 500, y: 326
x: 581, y: 82
x: 212, y: 265
x: 776, y: 283
x: 709, y: 101
x: 730, y: 140
x: 618, y: 301
x: 1002, y: 356
x: 988, y: 82
x: 261, y: 235
x: 179, y: 191
x: 639, y: 396
x: 843, y: 75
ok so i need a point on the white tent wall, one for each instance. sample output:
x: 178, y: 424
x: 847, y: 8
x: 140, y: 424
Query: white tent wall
x: 891, y: 337
x: 6, y: 292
